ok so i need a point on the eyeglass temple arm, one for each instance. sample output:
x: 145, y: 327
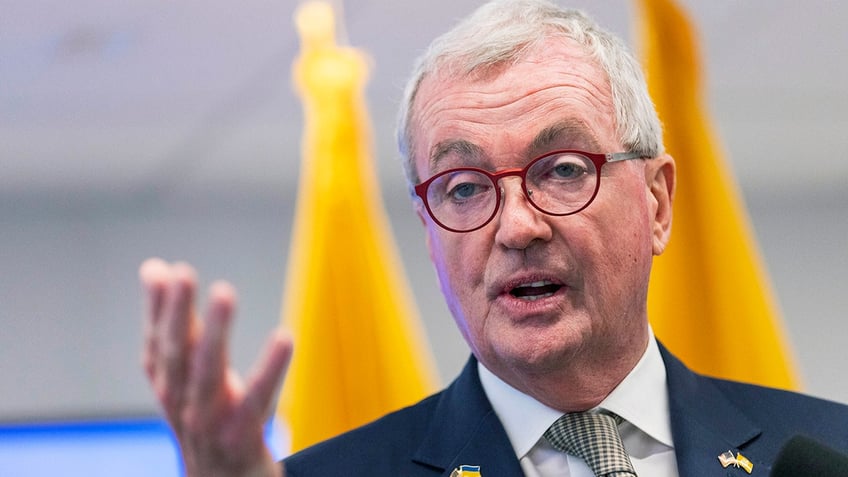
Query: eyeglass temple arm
x: 624, y: 156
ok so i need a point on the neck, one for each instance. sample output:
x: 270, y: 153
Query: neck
x: 583, y: 381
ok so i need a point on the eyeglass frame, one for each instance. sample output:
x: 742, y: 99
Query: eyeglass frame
x: 598, y: 159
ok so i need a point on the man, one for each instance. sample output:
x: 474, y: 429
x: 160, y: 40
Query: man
x: 536, y: 159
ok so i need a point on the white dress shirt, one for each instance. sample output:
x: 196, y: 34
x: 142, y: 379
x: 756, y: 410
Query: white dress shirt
x: 641, y: 399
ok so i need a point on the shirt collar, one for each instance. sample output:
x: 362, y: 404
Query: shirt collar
x: 524, y: 418
x: 641, y: 399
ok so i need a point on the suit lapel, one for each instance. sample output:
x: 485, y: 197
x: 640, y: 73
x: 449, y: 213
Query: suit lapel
x: 464, y: 430
x: 704, y: 423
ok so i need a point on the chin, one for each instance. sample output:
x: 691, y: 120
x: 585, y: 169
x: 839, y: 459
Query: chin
x: 538, y: 357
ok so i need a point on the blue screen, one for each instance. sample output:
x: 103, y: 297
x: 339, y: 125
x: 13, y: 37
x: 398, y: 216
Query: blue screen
x: 129, y: 448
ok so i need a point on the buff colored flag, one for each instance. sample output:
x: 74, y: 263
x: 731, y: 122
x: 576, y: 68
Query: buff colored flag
x: 710, y: 300
x: 359, y: 349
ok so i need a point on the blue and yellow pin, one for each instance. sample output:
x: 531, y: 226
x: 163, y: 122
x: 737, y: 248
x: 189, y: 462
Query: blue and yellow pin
x: 467, y: 471
x: 727, y: 459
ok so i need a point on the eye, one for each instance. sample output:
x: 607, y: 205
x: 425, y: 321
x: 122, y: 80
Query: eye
x: 568, y: 170
x: 466, y: 185
x: 561, y: 168
x: 459, y: 187
x: 464, y: 190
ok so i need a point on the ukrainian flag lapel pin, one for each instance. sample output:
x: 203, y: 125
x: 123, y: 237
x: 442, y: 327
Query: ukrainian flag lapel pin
x: 743, y: 462
x: 467, y: 471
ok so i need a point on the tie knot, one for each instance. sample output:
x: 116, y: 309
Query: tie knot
x: 594, y: 438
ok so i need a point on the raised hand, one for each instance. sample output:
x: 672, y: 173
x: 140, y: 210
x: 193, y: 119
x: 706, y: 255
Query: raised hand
x: 218, y: 418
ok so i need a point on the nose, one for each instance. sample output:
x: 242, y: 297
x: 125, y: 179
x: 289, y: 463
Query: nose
x: 519, y: 223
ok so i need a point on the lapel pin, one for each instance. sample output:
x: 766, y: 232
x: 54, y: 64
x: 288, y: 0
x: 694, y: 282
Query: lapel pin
x: 743, y: 462
x: 727, y: 459
x: 466, y: 471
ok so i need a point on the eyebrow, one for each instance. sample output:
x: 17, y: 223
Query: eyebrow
x: 573, y: 129
x: 459, y: 147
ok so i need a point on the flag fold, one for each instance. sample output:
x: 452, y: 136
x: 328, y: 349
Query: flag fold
x: 359, y: 348
x: 710, y: 300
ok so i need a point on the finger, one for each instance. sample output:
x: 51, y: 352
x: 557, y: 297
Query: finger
x: 154, y: 275
x: 173, y: 335
x: 210, y: 363
x: 267, y: 375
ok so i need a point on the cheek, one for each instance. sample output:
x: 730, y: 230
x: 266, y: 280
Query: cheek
x: 621, y: 246
x: 442, y: 258
x: 629, y: 218
x: 631, y: 237
x: 460, y: 265
x: 629, y: 256
x: 454, y: 276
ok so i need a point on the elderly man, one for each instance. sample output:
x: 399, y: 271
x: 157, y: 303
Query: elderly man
x: 537, y: 163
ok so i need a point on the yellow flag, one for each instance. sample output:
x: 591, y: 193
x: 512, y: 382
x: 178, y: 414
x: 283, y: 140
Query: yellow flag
x: 359, y: 348
x: 710, y: 300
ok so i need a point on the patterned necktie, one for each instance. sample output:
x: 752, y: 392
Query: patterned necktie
x: 594, y: 438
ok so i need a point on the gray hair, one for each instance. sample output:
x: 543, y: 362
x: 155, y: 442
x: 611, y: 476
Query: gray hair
x: 500, y: 32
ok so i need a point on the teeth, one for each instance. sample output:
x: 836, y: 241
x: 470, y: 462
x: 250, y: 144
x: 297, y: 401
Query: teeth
x: 534, y: 297
x: 538, y: 284
x: 535, y: 290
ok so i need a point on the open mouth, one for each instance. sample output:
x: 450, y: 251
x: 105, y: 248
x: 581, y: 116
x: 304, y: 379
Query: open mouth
x: 536, y: 290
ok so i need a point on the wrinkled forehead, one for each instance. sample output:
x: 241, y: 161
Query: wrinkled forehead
x: 554, y: 82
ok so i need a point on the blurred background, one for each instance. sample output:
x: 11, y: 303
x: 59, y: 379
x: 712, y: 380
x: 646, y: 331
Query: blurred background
x: 141, y: 128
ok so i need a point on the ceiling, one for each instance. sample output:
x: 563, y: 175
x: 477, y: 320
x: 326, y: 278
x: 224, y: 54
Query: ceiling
x: 102, y: 97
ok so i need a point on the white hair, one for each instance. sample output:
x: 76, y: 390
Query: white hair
x: 500, y: 32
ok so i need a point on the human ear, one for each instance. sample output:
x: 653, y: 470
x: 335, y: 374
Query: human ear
x: 660, y: 180
x: 422, y: 216
x: 420, y: 212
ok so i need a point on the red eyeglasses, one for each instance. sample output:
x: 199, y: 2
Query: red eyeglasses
x: 562, y: 182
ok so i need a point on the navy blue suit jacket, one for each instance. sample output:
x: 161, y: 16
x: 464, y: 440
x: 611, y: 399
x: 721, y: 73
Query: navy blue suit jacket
x: 458, y: 426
